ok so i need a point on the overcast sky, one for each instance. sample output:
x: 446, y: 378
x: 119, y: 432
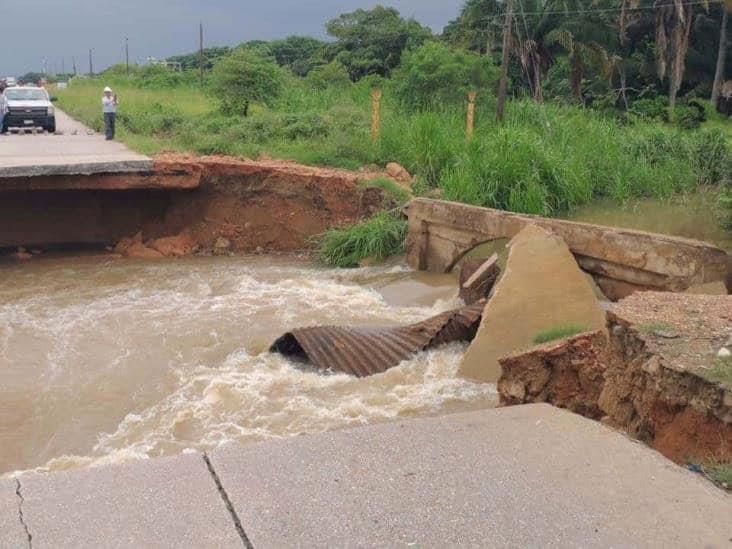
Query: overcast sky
x: 56, y: 30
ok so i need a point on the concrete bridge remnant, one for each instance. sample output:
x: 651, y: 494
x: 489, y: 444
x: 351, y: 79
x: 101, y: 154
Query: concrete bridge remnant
x: 620, y: 260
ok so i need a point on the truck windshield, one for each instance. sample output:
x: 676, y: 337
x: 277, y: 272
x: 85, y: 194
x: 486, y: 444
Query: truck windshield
x: 26, y: 95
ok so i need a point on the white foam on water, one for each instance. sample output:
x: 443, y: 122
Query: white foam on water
x: 121, y: 361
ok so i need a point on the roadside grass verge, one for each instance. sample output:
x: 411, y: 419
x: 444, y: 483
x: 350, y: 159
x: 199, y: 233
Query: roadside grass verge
x: 544, y: 159
x: 377, y: 238
x: 559, y: 332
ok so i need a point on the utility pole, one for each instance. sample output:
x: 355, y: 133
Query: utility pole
x: 63, y: 66
x: 200, y: 49
x: 91, y: 64
x: 73, y: 63
x: 503, y: 85
x: 127, y: 55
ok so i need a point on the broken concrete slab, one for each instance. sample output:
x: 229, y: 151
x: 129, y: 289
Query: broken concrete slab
x: 440, y: 233
x: 523, y: 476
x: 77, y: 153
x: 542, y: 288
x: 168, y: 502
x: 477, y: 278
x: 12, y: 532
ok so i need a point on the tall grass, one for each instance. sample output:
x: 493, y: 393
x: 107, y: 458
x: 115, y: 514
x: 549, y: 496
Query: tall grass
x: 544, y: 159
x: 377, y: 238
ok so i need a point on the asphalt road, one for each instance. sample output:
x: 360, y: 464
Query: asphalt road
x: 73, y: 150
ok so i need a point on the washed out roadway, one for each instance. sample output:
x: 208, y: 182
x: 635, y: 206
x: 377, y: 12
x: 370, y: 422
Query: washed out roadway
x: 73, y: 150
x: 526, y: 476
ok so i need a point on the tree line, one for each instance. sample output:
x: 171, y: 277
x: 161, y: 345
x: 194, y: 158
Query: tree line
x: 601, y: 53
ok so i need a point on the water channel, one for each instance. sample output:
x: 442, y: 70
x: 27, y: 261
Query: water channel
x: 105, y: 360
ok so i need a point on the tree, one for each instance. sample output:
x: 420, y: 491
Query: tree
x: 334, y: 74
x: 372, y: 41
x: 191, y: 61
x: 721, y: 58
x: 673, y: 26
x: 435, y: 75
x: 478, y: 27
x: 296, y: 53
x: 245, y: 76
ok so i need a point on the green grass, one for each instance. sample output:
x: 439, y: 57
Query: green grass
x: 719, y: 473
x: 377, y: 238
x: 720, y: 372
x: 544, y: 159
x: 655, y: 327
x: 559, y: 332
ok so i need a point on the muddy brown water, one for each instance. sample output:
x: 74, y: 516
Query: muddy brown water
x: 106, y: 360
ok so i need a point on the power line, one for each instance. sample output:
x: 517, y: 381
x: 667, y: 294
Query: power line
x: 608, y: 10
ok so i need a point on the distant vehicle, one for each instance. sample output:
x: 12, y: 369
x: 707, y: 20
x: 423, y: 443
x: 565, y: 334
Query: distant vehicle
x: 29, y: 107
x: 10, y: 81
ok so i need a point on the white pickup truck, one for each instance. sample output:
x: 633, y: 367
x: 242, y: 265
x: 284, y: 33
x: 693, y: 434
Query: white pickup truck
x: 29, y: 107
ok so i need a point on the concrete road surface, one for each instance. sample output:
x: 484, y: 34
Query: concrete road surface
x: 73, y: 150
x: 527, y: 476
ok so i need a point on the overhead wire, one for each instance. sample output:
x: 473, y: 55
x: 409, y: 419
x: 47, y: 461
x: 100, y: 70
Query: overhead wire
x: 610, y: 10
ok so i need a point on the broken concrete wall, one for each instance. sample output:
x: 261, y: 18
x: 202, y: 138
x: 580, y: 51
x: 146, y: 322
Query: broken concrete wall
x: 621, y: 260
x: 542, y: 288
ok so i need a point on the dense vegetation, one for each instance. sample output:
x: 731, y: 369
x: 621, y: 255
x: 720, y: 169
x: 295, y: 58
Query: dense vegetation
x: 589, y: 118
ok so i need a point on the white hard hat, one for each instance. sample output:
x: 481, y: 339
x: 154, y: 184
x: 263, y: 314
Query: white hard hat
x: 107, y: 89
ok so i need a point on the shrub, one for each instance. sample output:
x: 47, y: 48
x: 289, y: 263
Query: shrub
x: 244, y: 76
x: 690, y: 115
x: 435, y: 75
x: 379, y: 238
x: 651, y: 109
x: 334, y: 74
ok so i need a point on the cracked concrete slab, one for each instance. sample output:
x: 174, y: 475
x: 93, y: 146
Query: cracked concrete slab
x: 168, y: 502
x: 12, y: 535
x: 527, y: 476
x: 76, y: 150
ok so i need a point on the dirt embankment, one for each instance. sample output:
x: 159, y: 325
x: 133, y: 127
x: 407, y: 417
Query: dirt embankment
x: 655, y: 378
x: 236, y: 205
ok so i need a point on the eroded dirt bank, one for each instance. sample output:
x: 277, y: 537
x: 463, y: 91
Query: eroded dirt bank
x: 658, y: 377
x: 254, y: 206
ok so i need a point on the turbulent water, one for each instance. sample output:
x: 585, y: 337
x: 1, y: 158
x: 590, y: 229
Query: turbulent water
x: 106, y: 360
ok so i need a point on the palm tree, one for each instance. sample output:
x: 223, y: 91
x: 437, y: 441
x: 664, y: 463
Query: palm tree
x: 719, y: 72
x: 673, y: 27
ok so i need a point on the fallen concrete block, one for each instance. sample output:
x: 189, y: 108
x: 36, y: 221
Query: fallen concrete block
x: 542, y: 289
x: 477, y: 278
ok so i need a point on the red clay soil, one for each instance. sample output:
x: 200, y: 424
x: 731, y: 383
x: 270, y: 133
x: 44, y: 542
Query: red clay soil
x: 265, y: 205
x: 650, y: 380
x: 262, y: 206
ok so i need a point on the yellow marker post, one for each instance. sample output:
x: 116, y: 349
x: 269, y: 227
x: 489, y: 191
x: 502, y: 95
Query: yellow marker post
x: 471, y: 115
x: 376, y: 95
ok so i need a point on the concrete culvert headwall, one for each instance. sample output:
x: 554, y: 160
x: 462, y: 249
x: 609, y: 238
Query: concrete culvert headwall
x: 255, y: 206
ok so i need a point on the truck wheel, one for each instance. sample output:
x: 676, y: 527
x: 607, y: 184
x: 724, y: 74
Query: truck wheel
x: 51, y: 127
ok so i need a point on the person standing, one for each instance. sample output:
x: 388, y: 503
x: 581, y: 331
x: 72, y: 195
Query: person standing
x: 109, y: 106
x: 3, y: 107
